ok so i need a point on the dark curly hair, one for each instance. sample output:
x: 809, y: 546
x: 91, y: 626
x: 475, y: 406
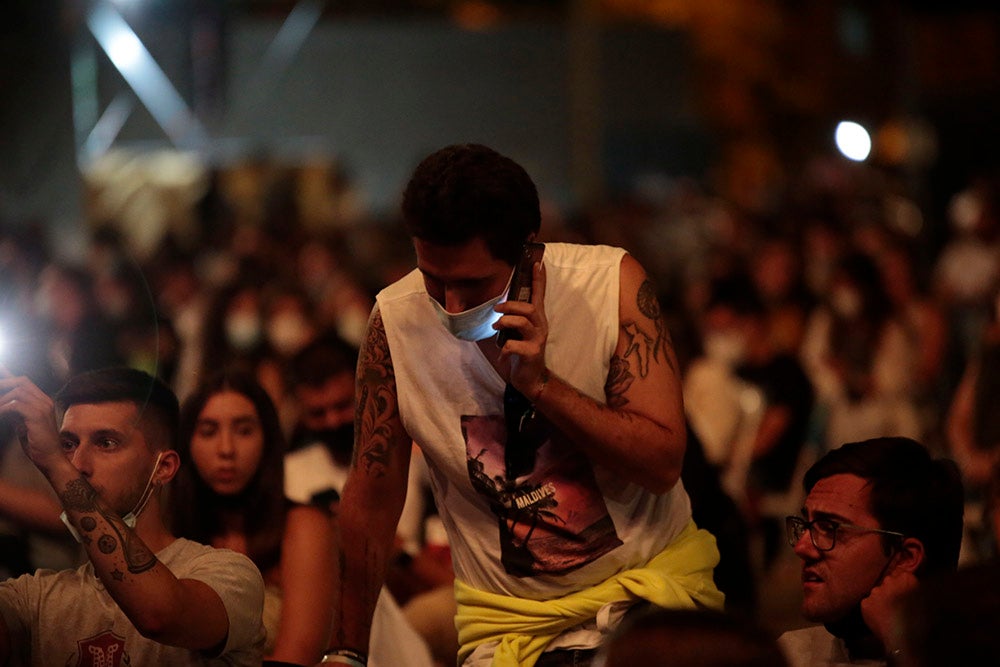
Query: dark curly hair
x: 469, y: 191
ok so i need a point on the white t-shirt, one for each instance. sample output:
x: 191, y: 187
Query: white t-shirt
x: 816, y: 647
x: 393, y: 642
x: 560, y: 524
x: 68, y: 618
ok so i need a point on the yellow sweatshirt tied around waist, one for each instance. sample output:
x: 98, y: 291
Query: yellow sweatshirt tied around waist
x: 679, y: 576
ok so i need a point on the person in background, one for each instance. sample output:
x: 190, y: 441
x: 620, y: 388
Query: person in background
x: 880, y: 516
x: 857, y: 356
x: 230, y: 494
x: 321, y: 382
x: 554, y: 458
x: 973, y: 431
x: 690, y: 638
x: 106, y: 444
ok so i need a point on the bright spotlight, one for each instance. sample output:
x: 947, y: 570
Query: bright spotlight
x: 3, y: 343
x: 853, y: 141
x: 124, y: 49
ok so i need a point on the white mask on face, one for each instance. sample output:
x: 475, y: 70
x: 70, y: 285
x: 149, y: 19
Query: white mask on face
x: 473, y: 324
x: 288, y: 333
x: 133, y: 515
x: 726, y: 347
x: 846, y: 302
x: 243, y: 330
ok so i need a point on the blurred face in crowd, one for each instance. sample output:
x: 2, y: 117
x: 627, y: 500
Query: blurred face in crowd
x: 243, y: 325
x: 228, y: 442
x: 327, y: 406
x: 724, y: 338
x: 835, y: 581
x: 775, y: 270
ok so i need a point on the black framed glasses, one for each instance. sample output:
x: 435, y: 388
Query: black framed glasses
x: 823, y: 532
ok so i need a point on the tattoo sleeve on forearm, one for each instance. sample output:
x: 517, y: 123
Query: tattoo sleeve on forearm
x: 377, y: 406
x: 138, y: 556
x: 80, y: 496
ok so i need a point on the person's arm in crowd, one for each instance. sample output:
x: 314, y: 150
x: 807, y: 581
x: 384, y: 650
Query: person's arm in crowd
x: 308, y: 563
x: 178, y: 612
x: 373, y: 496
x: 638, y: 431
x: 773, y: 426
x: 975, y: 463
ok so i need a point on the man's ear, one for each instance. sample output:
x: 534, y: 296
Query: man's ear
x: 910, y: 555
x: 170, y: 463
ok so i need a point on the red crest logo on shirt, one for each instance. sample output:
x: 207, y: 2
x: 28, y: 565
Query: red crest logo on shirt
x: 104, y: 650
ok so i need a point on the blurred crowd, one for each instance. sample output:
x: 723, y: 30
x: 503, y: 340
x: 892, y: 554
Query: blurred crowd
x: 844, y: 308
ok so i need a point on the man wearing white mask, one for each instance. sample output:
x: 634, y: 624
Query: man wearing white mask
x: 555, y: 458
x: 144, y: 597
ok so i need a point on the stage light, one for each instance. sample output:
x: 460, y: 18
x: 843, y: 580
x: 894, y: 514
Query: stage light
x: 853, y: 140
x: 124, y: 49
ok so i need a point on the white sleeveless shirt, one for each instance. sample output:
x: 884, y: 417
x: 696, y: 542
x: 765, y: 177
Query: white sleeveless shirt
x: 559, y: 525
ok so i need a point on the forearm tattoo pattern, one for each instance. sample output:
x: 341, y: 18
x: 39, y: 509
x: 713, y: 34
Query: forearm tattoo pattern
x: 80, y: 496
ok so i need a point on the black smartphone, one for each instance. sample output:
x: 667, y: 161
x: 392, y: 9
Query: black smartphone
x: 520, y: 284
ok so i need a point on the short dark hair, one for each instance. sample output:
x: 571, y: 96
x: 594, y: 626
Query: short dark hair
x: 911, y: 493
x: 467, y: 191
x: 156, y: 402
x: 326, y: 357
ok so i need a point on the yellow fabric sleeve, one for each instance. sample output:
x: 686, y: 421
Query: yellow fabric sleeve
x: 679, y: 576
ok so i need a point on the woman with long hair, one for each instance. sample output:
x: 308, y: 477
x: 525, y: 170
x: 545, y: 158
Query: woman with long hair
x: 229, y: 494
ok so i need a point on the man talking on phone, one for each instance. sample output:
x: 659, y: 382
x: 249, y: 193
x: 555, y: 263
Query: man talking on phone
x: 555, y: 459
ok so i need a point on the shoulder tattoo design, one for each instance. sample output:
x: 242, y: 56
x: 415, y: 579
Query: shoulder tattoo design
x: 644, y: 347
x: 376, y: 406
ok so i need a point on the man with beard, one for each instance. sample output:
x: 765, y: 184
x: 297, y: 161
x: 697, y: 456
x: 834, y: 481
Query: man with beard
x: 879, y: 517
x: 547, y: 404
x: 321, y: 377
x: 106, y: 444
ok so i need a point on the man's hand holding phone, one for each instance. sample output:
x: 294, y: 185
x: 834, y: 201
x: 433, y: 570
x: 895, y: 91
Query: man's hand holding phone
x: 523, y: 329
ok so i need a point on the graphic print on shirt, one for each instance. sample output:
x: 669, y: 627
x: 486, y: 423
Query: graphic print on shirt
x: 104, y: 650
x: 550, y: 513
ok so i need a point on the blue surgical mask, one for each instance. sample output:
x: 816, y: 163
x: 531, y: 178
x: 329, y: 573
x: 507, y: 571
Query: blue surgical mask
x: 473, y: 324
x: 130, y: 518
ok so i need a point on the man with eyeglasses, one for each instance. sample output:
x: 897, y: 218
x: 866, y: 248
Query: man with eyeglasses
x: 879, y: 516
x: 554, y: 457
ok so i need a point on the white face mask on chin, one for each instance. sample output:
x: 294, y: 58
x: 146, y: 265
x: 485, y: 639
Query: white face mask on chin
x: 130, y: 518
x: 474, y: 324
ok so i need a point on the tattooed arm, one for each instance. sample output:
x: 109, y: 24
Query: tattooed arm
x: 373, y: 496
x: 639, y: 432
x: 100, y: 443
